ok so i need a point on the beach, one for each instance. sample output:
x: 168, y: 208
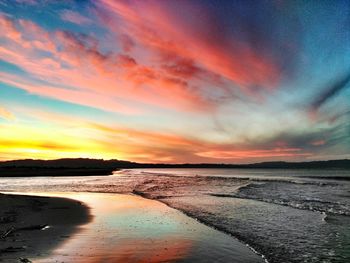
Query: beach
x: 115, y: 228
x: 284, y: 215
x: 174, y: 131
x: 33, y: 226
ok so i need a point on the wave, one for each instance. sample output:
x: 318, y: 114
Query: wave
x: 203, y: 221
x: 280, y: 242
x: 259, y: 211
x: 336, y: 178
x: 311, y: 205
x: 330, y: 198
x: 317, y: 196
x: 304, y: 180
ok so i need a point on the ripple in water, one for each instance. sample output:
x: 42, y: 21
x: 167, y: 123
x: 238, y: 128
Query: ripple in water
x: 286, y: 215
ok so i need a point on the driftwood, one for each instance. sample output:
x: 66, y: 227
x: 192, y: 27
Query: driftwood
x: 24, y: 260
x: 11, y: 230
x: 8, y: 232
x: 7, y: 219
x: 12, y: 249
x: 33, y: 227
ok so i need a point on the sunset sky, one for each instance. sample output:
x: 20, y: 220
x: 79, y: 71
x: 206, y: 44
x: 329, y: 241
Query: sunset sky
x: 175, y: 81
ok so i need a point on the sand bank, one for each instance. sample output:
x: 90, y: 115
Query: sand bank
x: 32, y: 227
x: 127, y: 228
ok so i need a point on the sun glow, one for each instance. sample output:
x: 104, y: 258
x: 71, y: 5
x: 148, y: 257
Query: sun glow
x: 142, y: 81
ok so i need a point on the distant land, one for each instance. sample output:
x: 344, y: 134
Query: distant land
x: 86, y: 167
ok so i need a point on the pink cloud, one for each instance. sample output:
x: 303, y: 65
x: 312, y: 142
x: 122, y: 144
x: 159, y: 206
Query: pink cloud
x: 248, y: 154
x: 154, y: 26
x: 76, y: 71
x: 81, y: 97
x: 75, y: 18
x: 127, y: 42
x: 5, y: 114
x: 318, y: 142
x: 28, y: 2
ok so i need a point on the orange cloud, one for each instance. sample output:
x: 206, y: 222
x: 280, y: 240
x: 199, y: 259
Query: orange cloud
x: 147, y: 146
x: 74, y: 17
x: 247, y: 154
x: 81, y: 97
x: 5, y: 114
x: 76, y: 71
x: 69, y: 136
x: 152, y: 25
x: 318, y: 142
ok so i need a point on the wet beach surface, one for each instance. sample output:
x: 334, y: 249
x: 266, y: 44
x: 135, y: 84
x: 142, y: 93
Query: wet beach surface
x: 34, y: 226
x: 128, y: 228
x: 288, y: 215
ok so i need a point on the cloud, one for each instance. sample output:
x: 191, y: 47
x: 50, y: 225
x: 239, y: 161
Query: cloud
x: 73, y: 135
x: 5, y: 114
x: 28, y: 2
x: 75, y: 18
x: 69, y: 135
x: 318, y: 142
x: 74, y: 69
x: 175, y: 64
x: 248, y: 154
x: 81, y: 97
x: 155, y: 58
x: 127, y: 42
x: 158, y: 28
x: 328, y: 93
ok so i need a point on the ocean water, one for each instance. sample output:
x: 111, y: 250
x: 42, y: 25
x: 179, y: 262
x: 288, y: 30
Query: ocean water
x: 284, y: 215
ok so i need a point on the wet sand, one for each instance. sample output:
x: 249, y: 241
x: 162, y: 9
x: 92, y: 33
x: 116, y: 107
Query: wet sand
x: 128, y: 228
x: 34, y: 226
x: 55, y: 172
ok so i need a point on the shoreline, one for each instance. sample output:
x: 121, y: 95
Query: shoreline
x: 204, y: 222
x: 207, y: 223
x: 130, y: 228
x: 33, y: 226
x: 269, y: 227
x: 55, y: 172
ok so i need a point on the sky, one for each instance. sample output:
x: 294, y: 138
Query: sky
x: 184, y: 81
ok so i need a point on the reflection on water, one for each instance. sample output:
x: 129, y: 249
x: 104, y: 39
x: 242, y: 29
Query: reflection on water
x: 314, y: 205
x: 128, y: 228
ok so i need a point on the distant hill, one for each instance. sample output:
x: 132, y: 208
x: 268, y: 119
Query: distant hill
x: 68, y: 163
x: 61, y: 167
x: 331, y: 164
x: 84, y: 163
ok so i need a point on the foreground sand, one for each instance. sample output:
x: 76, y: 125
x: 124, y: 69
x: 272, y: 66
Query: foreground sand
x: 34, y: 226
x: 127, y: 228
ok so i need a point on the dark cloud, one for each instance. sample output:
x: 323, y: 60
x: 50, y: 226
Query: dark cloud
x: 332, y: 90
x: 127, y: 42
x: 184, y: 68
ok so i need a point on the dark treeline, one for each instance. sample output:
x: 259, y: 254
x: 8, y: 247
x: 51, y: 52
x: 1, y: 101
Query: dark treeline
x: 83, y: 167
x: 118, y: 164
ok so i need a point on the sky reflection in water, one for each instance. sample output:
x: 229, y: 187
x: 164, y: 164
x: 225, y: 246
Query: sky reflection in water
x: 128, y: 228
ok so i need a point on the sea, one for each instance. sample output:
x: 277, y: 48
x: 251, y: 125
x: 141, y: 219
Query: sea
x: 287, y: 215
